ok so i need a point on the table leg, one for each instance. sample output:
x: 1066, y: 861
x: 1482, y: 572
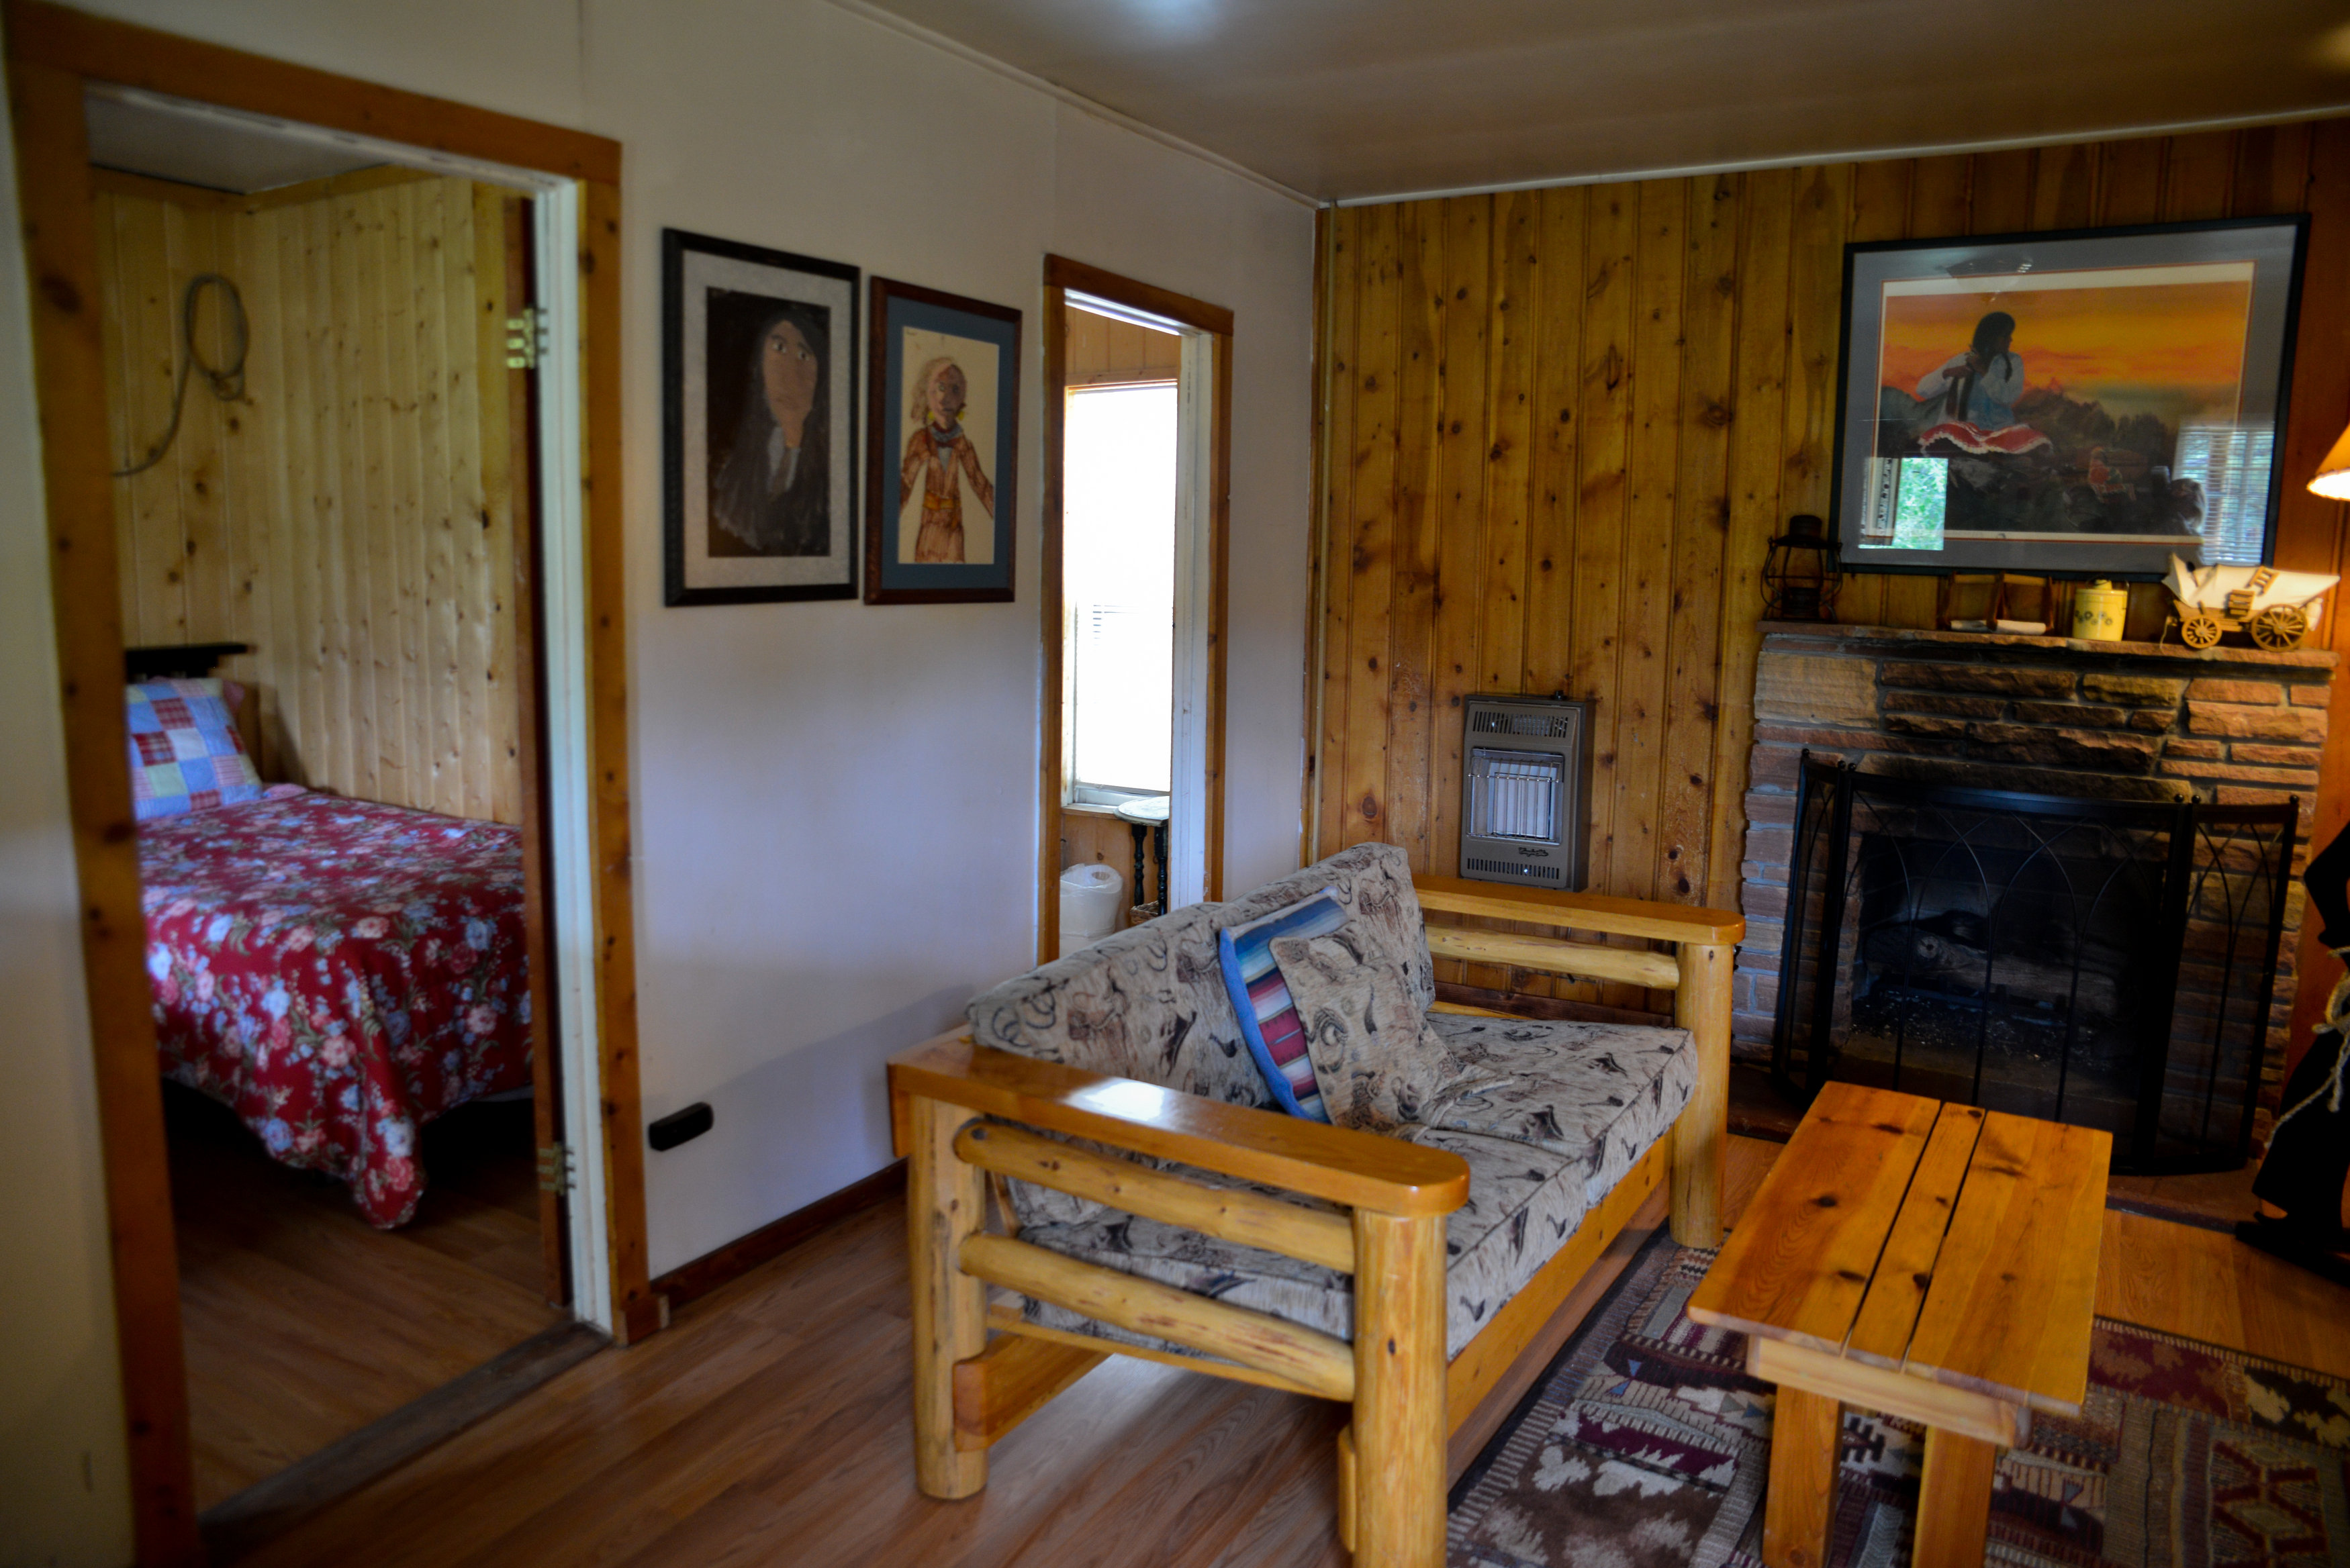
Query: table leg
x: 1800, y: 1506
x: 1953, y: 1501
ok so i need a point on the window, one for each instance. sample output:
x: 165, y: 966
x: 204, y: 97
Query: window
x: 1119, y: 504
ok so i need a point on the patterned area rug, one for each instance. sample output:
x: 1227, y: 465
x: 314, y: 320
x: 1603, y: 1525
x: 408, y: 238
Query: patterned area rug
x: 1647, y: 1446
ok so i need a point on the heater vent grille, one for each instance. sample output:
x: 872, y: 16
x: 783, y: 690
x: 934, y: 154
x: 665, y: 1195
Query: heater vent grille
x: 1512, y: 871
x: 1499, y: 723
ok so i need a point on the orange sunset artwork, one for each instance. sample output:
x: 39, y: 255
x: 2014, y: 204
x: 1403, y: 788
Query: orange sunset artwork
x: 2173, y: 351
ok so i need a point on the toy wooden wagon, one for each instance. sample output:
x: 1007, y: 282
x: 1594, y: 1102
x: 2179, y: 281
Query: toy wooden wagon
x: 2277, y: 609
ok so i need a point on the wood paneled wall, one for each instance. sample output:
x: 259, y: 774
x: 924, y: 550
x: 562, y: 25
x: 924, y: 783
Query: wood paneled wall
x: 1560, y: 426
x: 350, y: 516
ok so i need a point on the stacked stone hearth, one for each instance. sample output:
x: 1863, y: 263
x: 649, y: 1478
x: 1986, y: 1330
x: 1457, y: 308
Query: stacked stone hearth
x: 2129, y: 721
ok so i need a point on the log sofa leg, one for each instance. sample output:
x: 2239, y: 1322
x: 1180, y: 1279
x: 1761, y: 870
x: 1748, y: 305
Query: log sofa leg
x: 1398, y: 1513
x: 1701, y: 1134
x: 945, y: 1202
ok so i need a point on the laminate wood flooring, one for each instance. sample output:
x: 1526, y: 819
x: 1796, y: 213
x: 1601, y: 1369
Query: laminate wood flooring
x: 770, y: 1426
x: 303, y: 1323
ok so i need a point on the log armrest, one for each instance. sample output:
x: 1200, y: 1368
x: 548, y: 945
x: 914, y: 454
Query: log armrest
x: 1684, y: 923
x: 1358, y: 1170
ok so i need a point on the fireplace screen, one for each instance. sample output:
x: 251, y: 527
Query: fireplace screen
x: 2103, y: 962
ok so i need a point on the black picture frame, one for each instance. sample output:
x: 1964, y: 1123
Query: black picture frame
x: 2069, y: 504
x: 747, y: 520
x: 942, y: 327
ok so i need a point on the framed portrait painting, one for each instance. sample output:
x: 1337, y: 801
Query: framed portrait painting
x: 759, y: 423
x: 943, y: 430
x: 2089, y: 403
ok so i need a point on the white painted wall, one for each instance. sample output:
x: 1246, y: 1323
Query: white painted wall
x: 836, y: 805
x: 64, y: 1477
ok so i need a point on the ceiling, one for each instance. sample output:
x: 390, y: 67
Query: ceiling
x: 194, y: 147
x: 1353, y: 99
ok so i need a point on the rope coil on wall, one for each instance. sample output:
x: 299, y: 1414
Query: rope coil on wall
x: 227, y: 384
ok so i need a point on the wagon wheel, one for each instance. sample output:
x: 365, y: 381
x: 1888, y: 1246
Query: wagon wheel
x: 2200, y: 629
x: 2280, y: 626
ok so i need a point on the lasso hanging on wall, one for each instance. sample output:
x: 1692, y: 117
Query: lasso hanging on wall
x: 227, y: 383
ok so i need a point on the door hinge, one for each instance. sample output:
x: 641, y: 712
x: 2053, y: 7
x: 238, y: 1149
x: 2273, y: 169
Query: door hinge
x: 526, y: 339
x: 556, y: 1173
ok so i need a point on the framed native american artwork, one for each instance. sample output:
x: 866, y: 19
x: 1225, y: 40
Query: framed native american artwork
x: 759, y: 423
x: 2086, y: 402
x: 942, y: 432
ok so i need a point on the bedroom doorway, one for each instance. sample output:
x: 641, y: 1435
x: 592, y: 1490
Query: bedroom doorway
x: 465, y: 254
x: 319, y: 375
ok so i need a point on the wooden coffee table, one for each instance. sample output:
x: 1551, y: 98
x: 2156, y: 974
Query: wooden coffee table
x: 1933, y: 1262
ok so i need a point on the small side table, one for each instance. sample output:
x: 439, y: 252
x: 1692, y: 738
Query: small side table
x: 1933, y: 1262
x: 1142, y: 816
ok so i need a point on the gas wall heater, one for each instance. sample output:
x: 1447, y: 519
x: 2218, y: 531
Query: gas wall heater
x: 1525, y: 791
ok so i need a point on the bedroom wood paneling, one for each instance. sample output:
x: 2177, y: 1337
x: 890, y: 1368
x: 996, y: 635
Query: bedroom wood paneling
x: 1559, y: 428
x: 349, y: 516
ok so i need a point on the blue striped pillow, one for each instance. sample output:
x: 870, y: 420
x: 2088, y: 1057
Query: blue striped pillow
x: 1269, y: 1020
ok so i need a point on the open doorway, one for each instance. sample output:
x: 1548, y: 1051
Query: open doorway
x: 1138, y: 386
x: 569, y: 670
x: 326, y: 555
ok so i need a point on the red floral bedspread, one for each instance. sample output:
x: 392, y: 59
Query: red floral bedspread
x: 338, y: 973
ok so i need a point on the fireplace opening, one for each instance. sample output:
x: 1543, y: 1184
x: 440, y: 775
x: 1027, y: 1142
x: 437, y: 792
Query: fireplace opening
x: 2097, y: 962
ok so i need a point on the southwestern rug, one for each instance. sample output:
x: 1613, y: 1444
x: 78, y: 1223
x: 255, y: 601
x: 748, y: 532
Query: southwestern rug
x: 1645, y: 1446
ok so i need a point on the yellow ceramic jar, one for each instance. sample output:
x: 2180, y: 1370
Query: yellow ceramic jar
x: 2098, y: 609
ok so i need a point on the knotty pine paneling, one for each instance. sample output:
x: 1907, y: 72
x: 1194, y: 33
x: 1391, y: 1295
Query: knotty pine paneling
x: 1559, y: 428
x: 350, y: 516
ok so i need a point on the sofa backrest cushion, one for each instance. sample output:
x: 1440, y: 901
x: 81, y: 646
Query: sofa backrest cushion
x: 1151, y: 1003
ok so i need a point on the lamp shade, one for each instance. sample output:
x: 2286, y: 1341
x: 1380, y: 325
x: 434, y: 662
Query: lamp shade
x: 2333, y: 479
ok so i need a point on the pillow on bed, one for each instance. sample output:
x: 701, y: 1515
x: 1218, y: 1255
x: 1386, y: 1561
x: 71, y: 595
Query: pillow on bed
x: 185, y: 752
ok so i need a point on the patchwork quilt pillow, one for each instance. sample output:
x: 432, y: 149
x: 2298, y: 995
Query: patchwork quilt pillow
x: 1268, y: 1022
x: 185, y: 752
x: 1380, y: 1066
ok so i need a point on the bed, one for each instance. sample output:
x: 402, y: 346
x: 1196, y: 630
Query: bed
x: 340, y: 973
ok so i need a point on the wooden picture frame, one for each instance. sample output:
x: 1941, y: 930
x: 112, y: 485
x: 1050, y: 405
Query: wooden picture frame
x: 754, y: 339
x: 2086, y: 403
x: 920, y: 493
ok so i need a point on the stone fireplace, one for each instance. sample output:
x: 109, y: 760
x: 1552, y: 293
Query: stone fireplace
x: 2120, y: 722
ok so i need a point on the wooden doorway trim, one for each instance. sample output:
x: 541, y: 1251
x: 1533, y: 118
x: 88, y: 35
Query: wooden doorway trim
x: 1061, y: 276
x: 52, y: 52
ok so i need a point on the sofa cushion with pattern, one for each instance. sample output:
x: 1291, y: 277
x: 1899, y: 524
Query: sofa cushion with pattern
x: 1149, y: 1003
x: 1526, y: 1193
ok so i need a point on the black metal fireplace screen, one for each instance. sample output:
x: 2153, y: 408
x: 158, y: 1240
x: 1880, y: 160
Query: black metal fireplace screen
x: 2097, y: 962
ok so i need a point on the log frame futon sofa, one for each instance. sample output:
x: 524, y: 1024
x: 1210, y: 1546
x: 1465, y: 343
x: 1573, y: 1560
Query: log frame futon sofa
x: 969, y: 1116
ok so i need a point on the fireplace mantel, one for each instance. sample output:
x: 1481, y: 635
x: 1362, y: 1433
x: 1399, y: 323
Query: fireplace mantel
x: 2051, y: 715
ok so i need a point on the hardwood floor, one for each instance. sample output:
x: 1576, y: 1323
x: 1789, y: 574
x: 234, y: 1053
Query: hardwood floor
x: 304, y: 1324
x: 770, y: 1426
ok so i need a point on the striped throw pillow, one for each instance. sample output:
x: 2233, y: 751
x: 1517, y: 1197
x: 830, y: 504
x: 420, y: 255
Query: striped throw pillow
x: 1268, y: 1019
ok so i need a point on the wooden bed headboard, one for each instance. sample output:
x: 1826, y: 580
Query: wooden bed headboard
x: 187, y: 661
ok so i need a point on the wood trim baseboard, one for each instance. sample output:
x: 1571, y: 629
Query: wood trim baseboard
x: 690, y: 1282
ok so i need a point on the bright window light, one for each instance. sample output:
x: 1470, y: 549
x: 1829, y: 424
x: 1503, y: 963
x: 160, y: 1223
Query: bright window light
x: 1118, y: 522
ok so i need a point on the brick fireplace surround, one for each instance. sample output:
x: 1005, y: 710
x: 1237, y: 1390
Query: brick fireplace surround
x: 2130, y: 721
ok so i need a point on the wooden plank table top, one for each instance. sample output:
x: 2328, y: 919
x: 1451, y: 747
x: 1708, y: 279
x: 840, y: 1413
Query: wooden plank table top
x: 1944, y: 1242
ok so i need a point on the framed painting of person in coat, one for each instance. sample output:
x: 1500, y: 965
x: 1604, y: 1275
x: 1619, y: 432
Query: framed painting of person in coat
x: 760, y: 416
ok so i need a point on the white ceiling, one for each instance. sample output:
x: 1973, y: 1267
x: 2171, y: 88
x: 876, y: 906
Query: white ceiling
x: 1343, y: 99
x: 151, y: 137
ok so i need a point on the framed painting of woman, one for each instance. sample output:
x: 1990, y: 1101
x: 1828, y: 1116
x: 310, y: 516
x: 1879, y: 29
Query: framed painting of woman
x: 759, y: 415
x: 944, y: 428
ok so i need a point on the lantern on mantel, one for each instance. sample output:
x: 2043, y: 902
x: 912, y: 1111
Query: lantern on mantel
x: 1799, y: 578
